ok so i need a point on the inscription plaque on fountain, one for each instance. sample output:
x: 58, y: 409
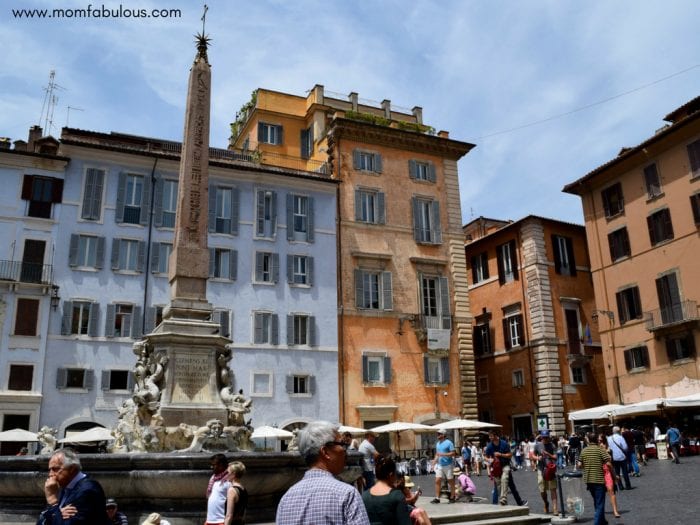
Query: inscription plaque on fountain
x: 192, y: 378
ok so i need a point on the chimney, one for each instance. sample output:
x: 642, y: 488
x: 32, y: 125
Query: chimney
x: 386, y: 106
x: 418, y: 113
x: 353, y: 98
x: 35, y: 133
x: 20, y: 145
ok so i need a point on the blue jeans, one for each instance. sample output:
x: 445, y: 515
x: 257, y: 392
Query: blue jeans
x: 632, y: 464
x: 369, y: 479
x: 598, y: 492
x: 560, y: 459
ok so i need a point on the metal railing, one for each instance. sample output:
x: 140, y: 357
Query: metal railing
x: 677, y: 313
x: 26, y: 272
x: 426, y: 321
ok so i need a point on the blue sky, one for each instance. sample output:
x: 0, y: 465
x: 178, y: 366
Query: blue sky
x: 523, y: 80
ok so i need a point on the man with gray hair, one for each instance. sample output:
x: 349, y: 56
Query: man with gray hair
x: 71, y: 496
x: 320, y: 497
x: 618, y: 450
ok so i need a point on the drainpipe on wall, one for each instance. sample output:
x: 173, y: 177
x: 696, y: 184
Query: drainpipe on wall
x: 147, y: 269
x: 339, y: 277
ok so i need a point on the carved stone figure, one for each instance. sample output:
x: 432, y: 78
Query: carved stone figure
x: 47, y: 438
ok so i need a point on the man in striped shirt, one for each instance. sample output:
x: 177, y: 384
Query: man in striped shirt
x: 592, y: 459
x: 320, y: 498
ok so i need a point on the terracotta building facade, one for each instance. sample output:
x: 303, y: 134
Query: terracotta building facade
x: 536, y: 348
x: 642, y: 214
x: 404, y: 322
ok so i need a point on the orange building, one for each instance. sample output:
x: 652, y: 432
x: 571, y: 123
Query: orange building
x: 642, y: 214
x: 403, y: 315
x: 536, y: 350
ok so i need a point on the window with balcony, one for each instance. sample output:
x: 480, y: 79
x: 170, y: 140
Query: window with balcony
x: 480, y: 267
x: 21, y: 378
x: 695, y: 206
x: 166, y: 203
x: 223, y: 264
x: 652, y: 181
x: 86, y: 251
x: 80, y: 318
x: 660, y: 226
x: 133, y: 199
x: 265, y: 328
x: 33, y: 269
x: 300, y: 269
x: 270, y: 133
x: 373, y: 290
x: 301, y: 384
x: 117, y: 380
x: 124, y: 320
x: 619, y: 244
x: 300, y: 218
x: 128, y: 255
x: 680, y: 346
x: 27, y: 316
x: 369, y: 206
x: 436, y: 370
x: 564, y: 262
x: 629, y: 305
x: 421, y: 170
x: 41, y: 193
x: 266, y: 214
x: 366, y: 161
x: 670, y: 304
x: 223, y: 209
x: 426, y: 221
x: 92, y: 194
x: 507, y: 263
x: 694, y: 158
x: 435, y: 302
x: 376, y: 369
x: 613, y: 201
x: 301, y: 330
x: 80, y: 378
x: 637, y: 358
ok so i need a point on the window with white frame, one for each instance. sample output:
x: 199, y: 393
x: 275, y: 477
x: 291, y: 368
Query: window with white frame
x: 169, y: 203
x: 426, y: 221
x: 518, y: 378
x: 435, y: 302
x: 369, y: 206
x: 265, y: 328
x: 223, y: 210
x: 300, y: 269
x: 578, y: 375
x: 132, y: 199
x: 421, y: 170
x: 266, y: 267
x: 301, y: 384
x: 128, y: 255
x: 300, y: 208
x: 266, y: 214
x: 269, y: 133
x: 83, y: 317
x: 223, y: 263
x: 436, y: 370
x: 480, y: 267
x: 261, y: 383
x: 513, y: 334
x: 86, y: 251
x: 92, y: 194
x: 376, y: 369
x: 301, y: 329
x: 366, y: 161
x: 123, y: 320
x: 373, y: 290
x: 507, y: 264
x: 21, y: 377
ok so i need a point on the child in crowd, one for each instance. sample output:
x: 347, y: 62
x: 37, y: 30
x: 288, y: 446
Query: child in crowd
x: 466, y: 485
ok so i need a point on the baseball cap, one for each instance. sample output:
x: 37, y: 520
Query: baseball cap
x: 441, y: 431
x: 408, y: 482
x: 110, y: 502
x: 544, y: 433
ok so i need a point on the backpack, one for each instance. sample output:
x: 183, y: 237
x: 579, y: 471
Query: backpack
x: 496, y: 468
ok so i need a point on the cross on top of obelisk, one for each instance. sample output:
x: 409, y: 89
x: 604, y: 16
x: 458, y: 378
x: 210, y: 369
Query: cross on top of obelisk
x: 202, y: 38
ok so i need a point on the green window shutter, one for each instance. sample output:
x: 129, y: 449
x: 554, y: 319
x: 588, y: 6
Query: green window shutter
x: 437, y: 230
x: 94, y: 319
x: 432, y: 176
x: 280, y: 135
x: 377, y: 163
x: 67, y: 318
x: 73, y: 250
x: 356, y: 159
x: 121, y: 193
x: 260, y: 131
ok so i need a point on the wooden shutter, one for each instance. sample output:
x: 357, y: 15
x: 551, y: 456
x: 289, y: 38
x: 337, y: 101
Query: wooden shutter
x: 556, y: 246
x: 290, y: 269
x: 304, y: 139
x: 155, y: 257
x: 141, y: 257
x: 412, y: 169
x: 150, y: 319
x: 259, y: 266
x: 273, y: 214
x: 426, y: 369
x: 365, y: 369
x: 387, y: 297
x: 695, y: 206
x: 500, y: 264
x: 312, y: 385
x: 289, y: 382
x: 106, y: 374
x: 56, y: 190
x: 478, y: 339
x: 359, y: 289
x: 290, y: 217
x: 445, y: 370
x: 355, y: 160
x: 100, y: 254
x: 432, y: 176
x: 73, y: 250
x: 136, y: 322
x: 506, y: 334
x: 233, y: 265
x: 61, y: 377
x: 235, y: 210
x: 257, y: 328
x: 260, y: 131
x: 312, y: 333
x: 436, y: 231
x: 381, y: 208
x: 212, y: 261
x: 280, y: 135
x: 109, y: 322
x: 377, y: 163
x: 621, y: 310
x: 27, y: 317
x: 514, y: 260
x: 694, y: 156
x: 88, y: 379
x: 27, y: 184
x: 158, y: 202
x: 290, y: 329
x: 212, y: 208
x: 94, y: 319
x: 358, y: 205
x: 121, y: 194
x: 260, y: 214
x: 387, y: 370
x: 275, y: 329
x: 115, y: 254
x: 445, y: 303
x: 309, y: 270
x: 417, y: 221
x: 67, y: 318
x: 310, y: 219
x: 224, y: 323
x: 145, y: 201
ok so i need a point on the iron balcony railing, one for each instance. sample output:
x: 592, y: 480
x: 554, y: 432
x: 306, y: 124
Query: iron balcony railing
x: 676, y: 314
x: 426, y: 322
x: 26, y: 272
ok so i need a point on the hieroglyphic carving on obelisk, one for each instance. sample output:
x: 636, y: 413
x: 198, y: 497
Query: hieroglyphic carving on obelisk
x: 189, y: 261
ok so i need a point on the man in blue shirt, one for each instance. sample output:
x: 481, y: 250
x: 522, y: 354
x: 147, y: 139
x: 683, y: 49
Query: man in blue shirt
x: 444, y: 465
x: 498, y: 449
x: 673, y: 436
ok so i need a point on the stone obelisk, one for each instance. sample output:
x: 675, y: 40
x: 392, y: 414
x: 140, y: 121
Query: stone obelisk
x: 185, y: 357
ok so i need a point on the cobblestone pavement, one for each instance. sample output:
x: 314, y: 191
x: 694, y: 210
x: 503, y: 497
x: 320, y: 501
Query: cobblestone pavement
x: 665, y: 493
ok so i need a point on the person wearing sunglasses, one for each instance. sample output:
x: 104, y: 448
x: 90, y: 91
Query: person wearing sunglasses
x: 320, y: 497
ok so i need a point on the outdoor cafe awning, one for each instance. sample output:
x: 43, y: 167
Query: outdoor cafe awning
x: 649, y: 406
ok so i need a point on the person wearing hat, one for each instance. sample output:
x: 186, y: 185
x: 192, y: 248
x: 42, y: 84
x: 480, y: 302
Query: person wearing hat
x: 544, y: 453
x: 155, y: 519
x: 466, y: 485
x: 115, y: 517
x: 444, y: 464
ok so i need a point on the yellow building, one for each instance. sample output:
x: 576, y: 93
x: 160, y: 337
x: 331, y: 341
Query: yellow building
x: 642, y: 214
x: 404, y: 326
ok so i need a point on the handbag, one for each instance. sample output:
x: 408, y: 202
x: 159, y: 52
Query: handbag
x: 496, y: 468
x: 550, y: 471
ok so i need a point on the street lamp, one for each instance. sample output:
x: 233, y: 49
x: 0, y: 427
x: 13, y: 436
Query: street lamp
x: 55, y: 299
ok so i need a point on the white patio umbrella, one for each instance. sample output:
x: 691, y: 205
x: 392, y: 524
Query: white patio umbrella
x: 400, y: 426
x: 640, y: 407
x: 18, y: 435
x: 266, y: 432
x: 599, y: 412
x: 464, y: 424
x: 89, y: 436
x: 355, y: 431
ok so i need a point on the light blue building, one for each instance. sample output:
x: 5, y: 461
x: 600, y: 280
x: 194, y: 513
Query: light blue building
x: 272, y: 240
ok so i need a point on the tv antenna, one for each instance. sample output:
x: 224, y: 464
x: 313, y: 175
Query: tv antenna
x: 68, y: 112
x: 50, y: 101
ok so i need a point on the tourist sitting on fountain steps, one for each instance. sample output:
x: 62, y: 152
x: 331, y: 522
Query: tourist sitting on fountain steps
x: 115, y: 517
